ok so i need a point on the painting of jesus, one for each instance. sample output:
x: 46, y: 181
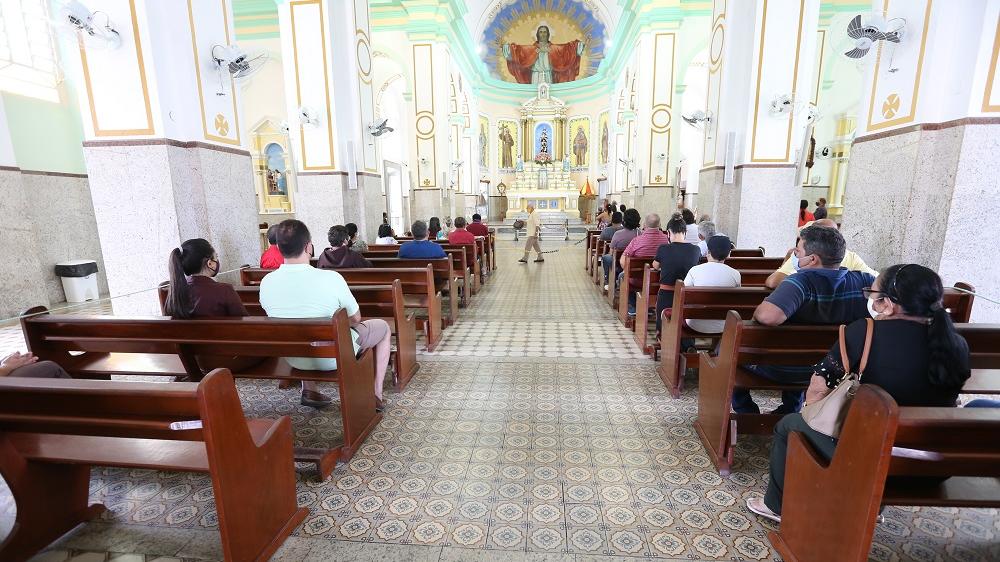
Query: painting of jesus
x: 544, y: 62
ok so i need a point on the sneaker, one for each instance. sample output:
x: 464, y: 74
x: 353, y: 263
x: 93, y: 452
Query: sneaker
x: 522, y: 260
x: 605, y: 287
x: 758, y: 506
x: 315, y: 399
x: 379, y: 405
x: 539, y: 259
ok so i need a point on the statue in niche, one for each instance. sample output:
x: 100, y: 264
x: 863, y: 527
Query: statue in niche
x: 544, y: 142
x: 544, y: 62
x: 580, y: 146
x: 506, y: 148
x: 484, y: 146
x: 519, y: 167
x: 274, y: 176
x: 566, y: 165
x: 604, y: 142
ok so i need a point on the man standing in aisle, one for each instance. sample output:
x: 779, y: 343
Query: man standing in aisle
x: 533, y: 228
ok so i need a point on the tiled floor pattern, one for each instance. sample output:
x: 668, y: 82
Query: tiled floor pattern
x: 535, y: 428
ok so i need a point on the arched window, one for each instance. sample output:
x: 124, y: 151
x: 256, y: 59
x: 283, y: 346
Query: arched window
x: 28, y: 65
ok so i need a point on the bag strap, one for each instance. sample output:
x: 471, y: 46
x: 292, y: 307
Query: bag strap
x: 869, y: 329
x: 844, y: 359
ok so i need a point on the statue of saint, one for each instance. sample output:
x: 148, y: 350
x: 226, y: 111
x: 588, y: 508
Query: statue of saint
x: 604, y: 143
x: 506, y: 148
x: 544, y: 62
x: 484, y: 147
x: 544, y: 142
x: 580, y: 146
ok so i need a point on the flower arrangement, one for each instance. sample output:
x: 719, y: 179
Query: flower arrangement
x: 543, y: 158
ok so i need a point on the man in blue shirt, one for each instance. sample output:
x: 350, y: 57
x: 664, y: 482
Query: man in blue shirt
x: 420, y: 246
x: 820, y: 292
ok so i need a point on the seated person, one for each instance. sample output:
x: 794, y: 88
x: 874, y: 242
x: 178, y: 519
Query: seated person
x: 621, y: 239
x: 706, y: 230
x: 916, y: 356
x: 674, y: 260
x: 644, y: 245
x: 822, y: 292
x: 194, y: 293
x: 477, y: 228
x: 692, y: 226
x: 385, y: 235
x: 435, y: 232
x: 420, y: 246
x: 462, y: 236
x: 271, y: 258
x: 713, y: 273
x: 298, y: 290
x: 851, y: 261
x: 357, y: 243
x: 616, y: 224
x: 26, y: 365
x: 339, y: 255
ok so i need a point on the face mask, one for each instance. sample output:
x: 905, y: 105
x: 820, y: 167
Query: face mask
x: 215, y: 270
x: 871, y: 309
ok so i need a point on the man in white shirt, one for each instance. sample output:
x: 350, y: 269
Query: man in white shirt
x: 299, y: 290
x: 713, y: 273
x: 533, y: 228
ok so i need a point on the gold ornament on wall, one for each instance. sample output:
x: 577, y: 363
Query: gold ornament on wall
x: 221, y: 125
x: 890, y: 106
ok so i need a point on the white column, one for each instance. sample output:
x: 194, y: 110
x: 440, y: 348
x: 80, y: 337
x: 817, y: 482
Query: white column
x: 760, y: 50
x: 656, y: 118
x: 164, y: 154
x: 431, y: 158
x: 922, y: 167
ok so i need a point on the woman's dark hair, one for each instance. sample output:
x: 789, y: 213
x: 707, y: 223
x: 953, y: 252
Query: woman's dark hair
x: 272, y: 235
x: 676, y: 224
x: 631, y: 219
x: 434, y: 227
x: 384, y: 230
x: 803, y: 205
x: 622, y: 207
x: 352, y: 230
x: 187, y: 260
x: 919, y: 291
x: 616, y: 218
x: 687, y: 215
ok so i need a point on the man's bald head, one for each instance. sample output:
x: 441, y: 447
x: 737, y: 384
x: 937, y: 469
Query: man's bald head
x: 652, y: 220
x: 825, y: 223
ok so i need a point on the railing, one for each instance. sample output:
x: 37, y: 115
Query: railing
x: 549, y: 231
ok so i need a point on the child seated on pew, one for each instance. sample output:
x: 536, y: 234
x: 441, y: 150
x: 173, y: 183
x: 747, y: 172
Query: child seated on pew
x: 713, y: 273
x: 916, y: 356
x: 194, y: 293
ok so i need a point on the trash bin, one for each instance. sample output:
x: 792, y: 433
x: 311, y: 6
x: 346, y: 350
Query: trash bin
x: 79, y: 279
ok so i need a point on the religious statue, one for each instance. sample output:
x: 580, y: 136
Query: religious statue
x: 580, y: 146
x: 506, y: 148
x: 484, y: 146
x: 544, y: 62
x: 566, y: 165
x: 519, y: 167
x: 604, y: 143
x: 544, y: 142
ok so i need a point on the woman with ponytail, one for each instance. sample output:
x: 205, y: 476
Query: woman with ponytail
x: 193, y: 293
x: 805, y: 217
x: 916, y: 356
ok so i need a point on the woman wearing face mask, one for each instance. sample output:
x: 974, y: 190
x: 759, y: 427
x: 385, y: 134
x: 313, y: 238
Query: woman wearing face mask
x: 916, y: 356
x: 193, y: 293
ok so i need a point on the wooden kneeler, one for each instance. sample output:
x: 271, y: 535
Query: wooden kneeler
x: 53, y: 430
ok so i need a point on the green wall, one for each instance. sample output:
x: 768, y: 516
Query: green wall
x: 46, y: 136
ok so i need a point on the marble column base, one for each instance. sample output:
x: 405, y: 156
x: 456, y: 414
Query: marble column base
x: 925, y: 196
x: 148, y: 198
x: 21, y: 274
x: 707, y: 198
x: 760, y: 208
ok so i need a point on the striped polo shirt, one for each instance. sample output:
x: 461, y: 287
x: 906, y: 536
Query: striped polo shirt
x: 646, y: 244
x: 823, y: 296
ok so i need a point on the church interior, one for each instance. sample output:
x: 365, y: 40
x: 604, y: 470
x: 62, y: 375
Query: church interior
x: 565, y: 408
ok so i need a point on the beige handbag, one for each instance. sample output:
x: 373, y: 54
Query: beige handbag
x: 827, y: 414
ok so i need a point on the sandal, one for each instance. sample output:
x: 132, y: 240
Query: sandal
x: 758, y: 506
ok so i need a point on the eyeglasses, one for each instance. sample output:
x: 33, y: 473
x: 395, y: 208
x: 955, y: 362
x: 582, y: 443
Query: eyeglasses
x: 868, y: 293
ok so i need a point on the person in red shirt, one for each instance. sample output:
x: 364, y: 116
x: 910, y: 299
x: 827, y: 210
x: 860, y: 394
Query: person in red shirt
x: 805, y: 216
x: 477, y: 228
x: 462, y: 236
x: 271, y: 258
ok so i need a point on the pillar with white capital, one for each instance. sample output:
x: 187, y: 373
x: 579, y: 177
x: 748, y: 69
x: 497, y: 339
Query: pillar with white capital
x: 164, y: 154
x: 431, y: 158
x: 761, y: 57
x: 922, y: 182
x: 328, y: 88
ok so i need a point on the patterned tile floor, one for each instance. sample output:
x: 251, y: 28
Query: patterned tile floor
x: 534, y: 432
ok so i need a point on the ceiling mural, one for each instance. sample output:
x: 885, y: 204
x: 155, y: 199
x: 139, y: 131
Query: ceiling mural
x: 551, y: 41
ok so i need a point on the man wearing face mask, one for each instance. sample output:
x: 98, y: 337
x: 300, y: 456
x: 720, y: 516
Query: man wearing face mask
x: 821, y: 292
x: 851, y: 261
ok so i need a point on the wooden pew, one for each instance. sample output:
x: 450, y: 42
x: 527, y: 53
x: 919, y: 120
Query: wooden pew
x: 713, y: 303
x: 446, y: 278
x: 633, y: 268
x: 596, y: 267
x: 590, y: 236
x: 52, y: 431
x: 747, y: 252
x: 458, y: 264
x: 593, y: 240
x: 612, y: 292
x: 745, y: 342
x: 475, y: 266
x: 419, y: 289
x: 757, y: 262
x: 376, y: 301
x: 829, y: 509
x: 162, y: 346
